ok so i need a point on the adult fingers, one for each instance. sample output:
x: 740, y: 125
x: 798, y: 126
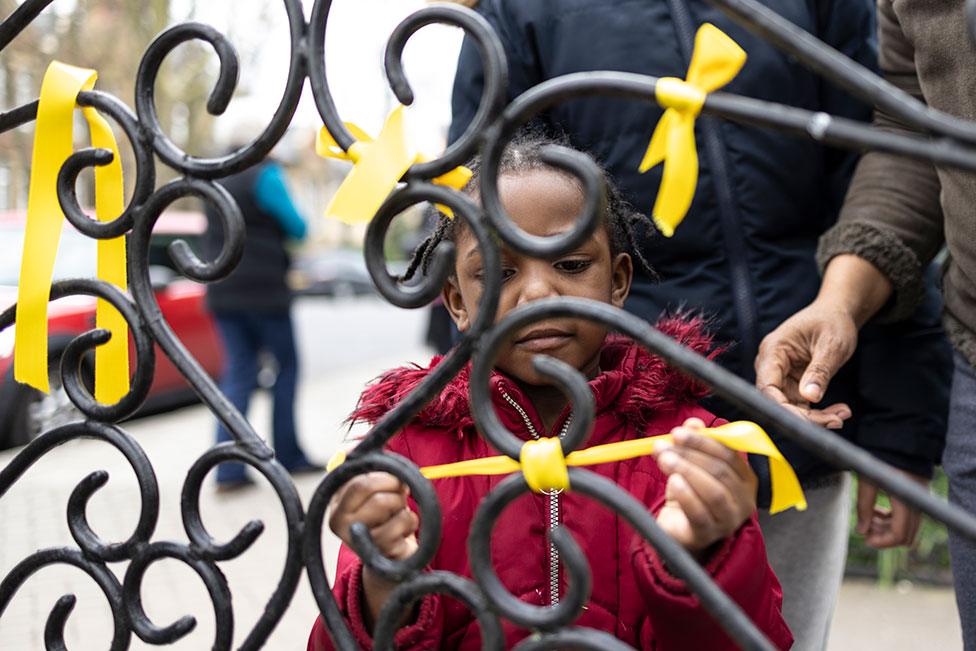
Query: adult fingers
x: 904, y: 524
x: 879, y: 530
x: 827, y: 357
x: 772, y: 369
x: 840, y: 409
x: 824, y: 419
x: 831, y: 417
x: 867, y: 495
x: 775, y: 393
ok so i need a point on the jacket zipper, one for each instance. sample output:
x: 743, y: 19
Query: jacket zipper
x: 553, y: 501
x: 742, y: 294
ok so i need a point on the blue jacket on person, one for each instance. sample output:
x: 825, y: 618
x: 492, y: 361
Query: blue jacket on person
x: 258, y: 284
x: 744, y: 255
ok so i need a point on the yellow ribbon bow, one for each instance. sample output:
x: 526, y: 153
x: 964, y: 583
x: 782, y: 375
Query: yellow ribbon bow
x: 544, y: 467
x: 377, y: 167
x: 716, y: 60
x: 53, y: 139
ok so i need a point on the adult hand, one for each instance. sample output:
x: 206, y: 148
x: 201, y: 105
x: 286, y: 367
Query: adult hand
x: 711, y: 489
x: 797, y: 361
x: 886, y: 527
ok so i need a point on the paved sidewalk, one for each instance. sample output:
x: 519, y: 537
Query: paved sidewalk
x: 906, y: 618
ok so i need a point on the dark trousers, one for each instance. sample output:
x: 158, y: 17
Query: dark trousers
x: 244, y: 336
x: 959, y: 462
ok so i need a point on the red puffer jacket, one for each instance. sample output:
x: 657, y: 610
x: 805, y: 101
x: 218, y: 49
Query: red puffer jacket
x: 633, y: 596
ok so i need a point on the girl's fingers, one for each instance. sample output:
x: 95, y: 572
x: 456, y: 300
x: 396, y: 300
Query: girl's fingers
x: 376, y: 510
x: 735, y: 460
x: 717, y: 497
x: 404, y: 548
x: 726, y: 465
x: 689, y: 439
x: 379, y: 508
x: 699, y: 516
x: 358, y: 490
x: 391, y: 533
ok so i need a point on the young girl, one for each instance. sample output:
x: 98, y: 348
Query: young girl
x: 702, y: 493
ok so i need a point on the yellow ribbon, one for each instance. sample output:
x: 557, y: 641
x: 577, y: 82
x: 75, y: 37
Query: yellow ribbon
x: 377, y: 167
x: 536, y: 455
x: 715, y: 61
x: 337, y: 460
x: 53, y: 139
x: 543, y: 465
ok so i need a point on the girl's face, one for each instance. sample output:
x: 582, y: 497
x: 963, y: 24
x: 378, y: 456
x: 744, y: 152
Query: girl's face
x: 544, y: 203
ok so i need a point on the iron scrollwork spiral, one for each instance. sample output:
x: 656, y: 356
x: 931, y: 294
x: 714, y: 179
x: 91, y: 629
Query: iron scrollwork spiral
x: 492, y: 127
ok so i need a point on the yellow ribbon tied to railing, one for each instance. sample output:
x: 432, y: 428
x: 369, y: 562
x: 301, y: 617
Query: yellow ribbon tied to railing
x: 715, y: 61
x: 545, y: 468
x: 53, y: 140
x: 378, y: 165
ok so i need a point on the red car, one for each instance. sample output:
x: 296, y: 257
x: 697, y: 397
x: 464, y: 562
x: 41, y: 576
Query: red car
x: 24, y: 412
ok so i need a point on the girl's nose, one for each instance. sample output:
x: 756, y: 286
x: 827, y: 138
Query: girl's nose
x: 536, y: 286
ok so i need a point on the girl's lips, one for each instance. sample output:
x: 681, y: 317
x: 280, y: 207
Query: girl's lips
x: 542, y: 340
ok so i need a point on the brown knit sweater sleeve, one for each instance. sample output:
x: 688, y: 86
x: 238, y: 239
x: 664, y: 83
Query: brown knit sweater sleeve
x: 891, y: 216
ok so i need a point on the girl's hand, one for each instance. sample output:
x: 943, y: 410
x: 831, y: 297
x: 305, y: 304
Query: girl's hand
x: 378, y: 500
x: 711, y: 489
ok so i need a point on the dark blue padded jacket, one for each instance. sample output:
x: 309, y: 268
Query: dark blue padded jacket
x: 744, y: 255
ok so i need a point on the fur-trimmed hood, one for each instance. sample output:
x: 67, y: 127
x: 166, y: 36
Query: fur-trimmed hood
x: 632, y: 381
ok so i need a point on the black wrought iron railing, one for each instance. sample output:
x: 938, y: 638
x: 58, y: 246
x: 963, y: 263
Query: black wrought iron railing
x: 952, y: 142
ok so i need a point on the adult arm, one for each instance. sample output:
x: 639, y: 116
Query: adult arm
x: 271, y: 194
x: 890, y: 226
x: 903, y: 368
x: 892, y: 216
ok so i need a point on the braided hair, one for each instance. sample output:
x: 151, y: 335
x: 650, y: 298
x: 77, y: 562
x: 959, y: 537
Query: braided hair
x: 625, y: 226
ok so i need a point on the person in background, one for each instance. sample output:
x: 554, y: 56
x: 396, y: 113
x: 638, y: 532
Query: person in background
x: 898, y: 215
x: 745, y: 254
x: 252, y: 309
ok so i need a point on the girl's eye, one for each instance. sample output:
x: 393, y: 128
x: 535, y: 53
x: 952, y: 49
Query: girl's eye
x: 573, y: 266
x: 507, y: 272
